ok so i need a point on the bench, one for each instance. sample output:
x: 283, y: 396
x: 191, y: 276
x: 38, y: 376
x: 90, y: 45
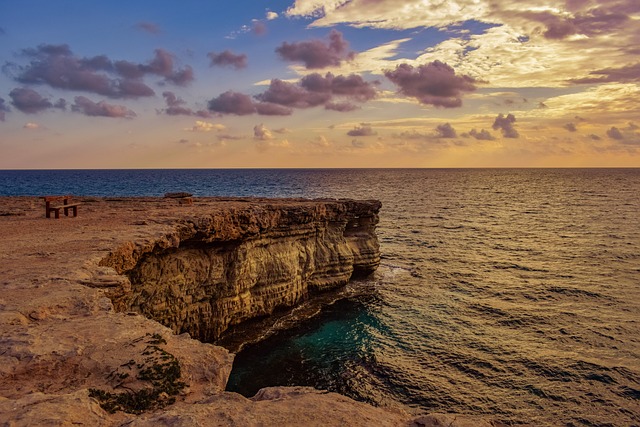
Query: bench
x: 65, y: 206
x: 182, y: 197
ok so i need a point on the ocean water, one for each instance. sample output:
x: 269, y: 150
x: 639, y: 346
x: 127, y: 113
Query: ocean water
x: 508, y: 292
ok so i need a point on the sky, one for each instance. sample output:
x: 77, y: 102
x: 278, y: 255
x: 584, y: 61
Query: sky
x: 319, y: 84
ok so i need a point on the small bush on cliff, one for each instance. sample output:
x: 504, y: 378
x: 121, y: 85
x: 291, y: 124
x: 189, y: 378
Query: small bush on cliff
x: 159, y: 368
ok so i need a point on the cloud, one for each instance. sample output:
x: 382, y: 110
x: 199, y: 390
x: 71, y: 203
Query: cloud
x: 358, y: 144
x: 340, y: 106
x: 149, y: 27
x: 615, y: 133
x: 4, y: 108
x: 228, y: 58
x: 100, y: 109
x: 505, y: 124
x: 163, y: 65
x: 202, y: 126
x: 625, y: 74
x: 595, y: 137
x: 320, y: 141
x: 29, y: 101
x: 446, y: 131
x: 363, y: 130
x: 571, y: 127
x: 271, y: 109
x: 316, y: 54
x: 31, y: 126
x: 597, y: 20
x: 260, y: 132
x: 483, y: 135
x: 627, y: 135
x: 231, y: 102
x: 435, y: 83
x: 281, y: 97
x: 293, y: 95
x: 352, y: 86
x: 58, y: 67
x: 314, y: 90
x: 175, y: 107
x: 270, y: 16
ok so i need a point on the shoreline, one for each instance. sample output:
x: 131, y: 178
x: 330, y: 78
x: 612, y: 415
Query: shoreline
x: 63, y: 336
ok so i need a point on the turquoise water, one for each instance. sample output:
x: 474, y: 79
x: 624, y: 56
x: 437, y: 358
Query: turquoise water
x: 508, y: 292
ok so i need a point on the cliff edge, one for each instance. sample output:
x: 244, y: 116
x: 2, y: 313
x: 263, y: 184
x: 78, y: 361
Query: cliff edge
x: 97, y: 313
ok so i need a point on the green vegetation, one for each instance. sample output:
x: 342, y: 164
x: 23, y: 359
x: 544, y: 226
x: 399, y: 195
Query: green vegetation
x: 159, y: 368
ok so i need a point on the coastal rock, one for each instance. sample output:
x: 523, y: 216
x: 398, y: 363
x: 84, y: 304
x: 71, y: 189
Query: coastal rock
x: 232, y: 265
x: 62, y: 341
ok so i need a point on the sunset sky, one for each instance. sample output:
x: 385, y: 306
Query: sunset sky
x: 310, y: 83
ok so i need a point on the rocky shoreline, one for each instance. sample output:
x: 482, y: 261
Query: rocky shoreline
x: 78, y: 343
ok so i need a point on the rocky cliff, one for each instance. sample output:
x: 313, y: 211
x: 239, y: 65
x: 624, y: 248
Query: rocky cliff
x: 238, y: 263
x: 68, y: 358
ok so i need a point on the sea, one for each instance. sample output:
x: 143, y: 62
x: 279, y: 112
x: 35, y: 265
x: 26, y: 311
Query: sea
x: 511, y: 293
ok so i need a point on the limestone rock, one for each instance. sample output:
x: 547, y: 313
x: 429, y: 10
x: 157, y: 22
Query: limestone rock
x: 231, y: 265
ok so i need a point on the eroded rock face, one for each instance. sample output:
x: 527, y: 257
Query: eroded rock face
x: 235, y: 264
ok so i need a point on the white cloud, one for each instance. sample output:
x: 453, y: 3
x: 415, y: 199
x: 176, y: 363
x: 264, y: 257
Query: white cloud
x: 31, y: 126
x: 202, y: 126
x: 271, y: 16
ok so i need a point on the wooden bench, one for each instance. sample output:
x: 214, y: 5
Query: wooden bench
x: 182, y: 197
x: 65, y: 206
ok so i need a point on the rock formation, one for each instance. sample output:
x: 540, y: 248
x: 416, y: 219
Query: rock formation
x: 235, y: 264
x: 68, y: 358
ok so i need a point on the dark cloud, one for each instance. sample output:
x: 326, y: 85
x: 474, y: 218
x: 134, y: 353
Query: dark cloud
x: 317, y: 53
x: 176, y: 107
x: 334, y: 92
x: 505, y: 124
x: 87, y: 107
x: 163, y: 65
x: 446, y: 131
x: 240, y: 104
x: 435, y: 83
x: 293, y: 95
x: 603, y: 19
x: 571, y: 127
x: 232, y: 102
x: 4, y: 108
x: 58, y: 67
x: 271, y: 109
x: 314, y: 90
x: 595, y: 137
x: 352, y: 86
x: 228, y: 58
x: 29, y: 101
x: 342, y: 107
x: 149, y: 27
x: 626, y: 74
x: 363, y: 130
x: 615, y: 133
x: 483, y: 135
